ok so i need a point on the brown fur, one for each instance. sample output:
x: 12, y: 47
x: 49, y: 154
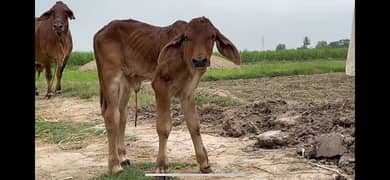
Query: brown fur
x: 128, y: 52
x: 52, y: 47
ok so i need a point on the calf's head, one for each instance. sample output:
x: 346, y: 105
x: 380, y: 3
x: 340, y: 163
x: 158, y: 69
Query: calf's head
x: 195, y: 45
x: 59, y: 15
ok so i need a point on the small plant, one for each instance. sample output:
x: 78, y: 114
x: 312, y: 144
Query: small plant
x: 136, y: 171
x: 56, y: 132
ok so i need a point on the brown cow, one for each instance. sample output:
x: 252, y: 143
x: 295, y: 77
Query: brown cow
x: 53, y: 43
x: 174, y: 58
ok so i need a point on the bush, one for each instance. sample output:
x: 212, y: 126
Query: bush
x: 80, y: 58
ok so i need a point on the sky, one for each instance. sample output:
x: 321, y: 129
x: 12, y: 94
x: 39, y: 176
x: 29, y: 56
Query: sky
x: 245, y: 22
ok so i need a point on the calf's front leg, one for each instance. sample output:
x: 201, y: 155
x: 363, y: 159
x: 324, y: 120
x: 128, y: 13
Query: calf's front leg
x: 193, y: 123
x: 163, y: 123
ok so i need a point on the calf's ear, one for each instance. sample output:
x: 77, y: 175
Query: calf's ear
x: 45, y: 15
x: 172, y: 48
x: 70, y: 14
x: 227, y: 48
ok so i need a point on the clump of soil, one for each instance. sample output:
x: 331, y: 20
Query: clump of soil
x: 313, y: 106
x: 272, y: 139
x: 307, y: 123
x: 304, y: 122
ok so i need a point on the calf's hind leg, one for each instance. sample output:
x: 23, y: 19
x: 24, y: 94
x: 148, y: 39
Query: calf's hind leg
x: 124, y: 96
x: 111, y: 114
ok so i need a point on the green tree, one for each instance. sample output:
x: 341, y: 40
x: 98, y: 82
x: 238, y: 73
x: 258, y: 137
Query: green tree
x: 343, y: 43
x: 321, y: 44
x: 306, y: 41
x: 280, y: 47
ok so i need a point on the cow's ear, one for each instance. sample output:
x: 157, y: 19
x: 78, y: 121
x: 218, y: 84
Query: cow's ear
x: 177, y: 40
x: 171, y: 49
x: 46, y: 15
x: 169, y: 56
x: 227, y: 48
x: 70, y: 14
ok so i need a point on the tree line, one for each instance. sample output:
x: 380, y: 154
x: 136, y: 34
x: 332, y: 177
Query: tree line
x: 343, y: 43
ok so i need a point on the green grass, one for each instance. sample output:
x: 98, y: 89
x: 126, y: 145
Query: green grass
x: 131, y: 138
x: 78, y: 58
x: 85, y: 84
x: 292, y: 54
x: 74, y: 84
x: 279, y: 68
x: 55, y: 132
x: 216, y: 100
x: 145, y: 97
x: 136, y: 171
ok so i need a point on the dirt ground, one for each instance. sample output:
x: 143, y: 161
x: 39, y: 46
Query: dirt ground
x: 315, y: 104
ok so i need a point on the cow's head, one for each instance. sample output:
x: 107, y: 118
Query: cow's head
x: 195, y: 44
x: 59, y: 13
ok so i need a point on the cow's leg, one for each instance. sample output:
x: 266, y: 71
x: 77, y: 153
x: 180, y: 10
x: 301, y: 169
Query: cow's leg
x: 111, y: 114
x: 60, y: 71
x: 36, y: 78
x: 58, y: 83
x: 124, y: 99
x: 163, y: 123
x: 49, y: 80
x: 193, y: 123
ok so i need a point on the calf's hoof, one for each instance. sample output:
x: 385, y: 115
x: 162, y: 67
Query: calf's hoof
x: 161, y: 169
x: 116, y: 169
x: 58, y: 93
x: 163, y: 178
x: 125, y: 163
x: 206, y: 169
x: 49, y: 95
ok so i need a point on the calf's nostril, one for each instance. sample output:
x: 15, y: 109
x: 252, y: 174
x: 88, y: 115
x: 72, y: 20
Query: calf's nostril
x: 58, y: 26
x: 199, y: 62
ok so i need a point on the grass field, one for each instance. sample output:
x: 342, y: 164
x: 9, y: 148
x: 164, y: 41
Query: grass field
x: 276, y: 68
x: 56, y: 132
x: 78, y: 58
x: 85, y: 84
x: 294, y: 54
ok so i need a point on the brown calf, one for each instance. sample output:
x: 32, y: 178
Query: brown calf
x: 174, y: 57
x: 53, y: 43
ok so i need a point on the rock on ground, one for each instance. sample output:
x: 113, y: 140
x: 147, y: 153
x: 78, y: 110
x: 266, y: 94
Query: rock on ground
x: 272, y: 139
x: 329, y: 145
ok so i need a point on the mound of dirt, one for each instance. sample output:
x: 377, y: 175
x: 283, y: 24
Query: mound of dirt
x: 307, y: 123
x: 216, y: 63
x: 88, y: 67
x: 221, y: 63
